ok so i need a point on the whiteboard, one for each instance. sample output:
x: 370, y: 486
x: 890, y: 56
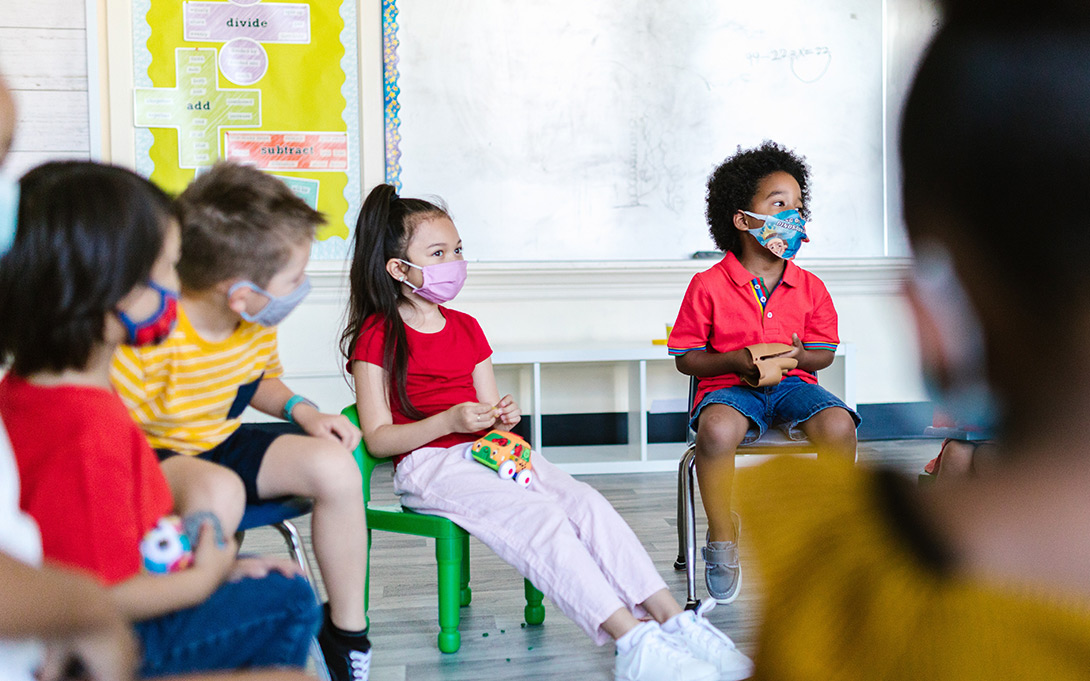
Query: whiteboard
x: 573, y: 130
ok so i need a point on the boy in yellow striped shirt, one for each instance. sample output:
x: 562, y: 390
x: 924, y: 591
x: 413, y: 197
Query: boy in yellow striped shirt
x: 246, y: 240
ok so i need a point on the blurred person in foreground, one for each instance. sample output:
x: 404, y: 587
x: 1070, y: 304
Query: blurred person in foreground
x: 988, y: 576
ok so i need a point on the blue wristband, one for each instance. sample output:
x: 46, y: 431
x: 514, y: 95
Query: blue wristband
x: 290, y: 404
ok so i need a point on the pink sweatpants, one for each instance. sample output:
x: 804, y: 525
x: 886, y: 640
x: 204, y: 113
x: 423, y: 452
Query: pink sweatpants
x: 560, y: 533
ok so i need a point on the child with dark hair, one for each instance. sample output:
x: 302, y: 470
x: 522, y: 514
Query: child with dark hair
x: 986, y: 576
x: 245, y: 243
x: 755, y: 303
x: 425, y: 391
x: 91, y: 268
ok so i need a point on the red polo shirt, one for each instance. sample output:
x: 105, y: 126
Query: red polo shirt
x: 726, y: 308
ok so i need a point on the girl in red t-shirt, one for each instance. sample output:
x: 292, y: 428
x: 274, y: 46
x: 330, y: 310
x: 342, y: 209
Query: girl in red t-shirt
x: 425, y: 391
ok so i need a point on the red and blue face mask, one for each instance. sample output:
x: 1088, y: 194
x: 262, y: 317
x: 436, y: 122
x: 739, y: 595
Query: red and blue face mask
x: 157, y: 327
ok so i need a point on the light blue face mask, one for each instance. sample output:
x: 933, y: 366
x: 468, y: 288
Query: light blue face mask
x: 9, y: 211
x: 782, y: 233
x: 278, y: 307
x: 964, y: 395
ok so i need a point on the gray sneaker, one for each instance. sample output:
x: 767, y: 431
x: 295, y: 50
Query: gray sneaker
x: 722, y: 571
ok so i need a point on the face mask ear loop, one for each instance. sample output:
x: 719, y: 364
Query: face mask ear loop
x: 405, y: 275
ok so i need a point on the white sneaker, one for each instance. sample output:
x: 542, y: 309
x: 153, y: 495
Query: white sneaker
x: 705, y: 642
x: 654, y: 656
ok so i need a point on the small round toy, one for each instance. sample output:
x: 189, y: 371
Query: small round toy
x: 166, y: 547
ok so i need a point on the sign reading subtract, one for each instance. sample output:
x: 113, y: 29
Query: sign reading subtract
x: 196, y: 107
x: 315, y: 151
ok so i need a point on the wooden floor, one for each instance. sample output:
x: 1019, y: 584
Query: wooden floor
x: 495, y: 643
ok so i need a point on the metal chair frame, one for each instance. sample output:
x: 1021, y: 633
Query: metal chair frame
x: 772, y: 442
x: 277, y: 513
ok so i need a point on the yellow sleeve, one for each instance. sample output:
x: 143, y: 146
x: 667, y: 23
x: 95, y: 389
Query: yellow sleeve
x: 128, y: 376
x: 273, y: 368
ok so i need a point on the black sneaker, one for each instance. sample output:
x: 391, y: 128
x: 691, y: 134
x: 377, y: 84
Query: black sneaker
x: 348, y: 656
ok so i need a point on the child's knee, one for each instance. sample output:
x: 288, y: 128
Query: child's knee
x: 721, y: 433
x: 842, y: 426
x: 217, y: 486
x: 334, y: 471
x: 834, y: 426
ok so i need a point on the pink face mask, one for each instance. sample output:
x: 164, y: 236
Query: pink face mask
x: 442, y: 282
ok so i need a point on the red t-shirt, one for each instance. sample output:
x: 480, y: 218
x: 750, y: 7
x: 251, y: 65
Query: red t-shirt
x: 727, y: 308
x: 440, y: 368
x: 88, y: 475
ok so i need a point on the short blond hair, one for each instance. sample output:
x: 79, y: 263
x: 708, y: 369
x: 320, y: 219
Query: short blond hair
x: 238, y: 221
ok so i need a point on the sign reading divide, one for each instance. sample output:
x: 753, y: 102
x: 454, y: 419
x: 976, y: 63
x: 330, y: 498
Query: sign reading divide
x: 268, y: 23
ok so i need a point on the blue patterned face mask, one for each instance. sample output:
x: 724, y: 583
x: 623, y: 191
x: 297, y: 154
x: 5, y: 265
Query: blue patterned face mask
x: 782, y: 233
x: 9, y: 211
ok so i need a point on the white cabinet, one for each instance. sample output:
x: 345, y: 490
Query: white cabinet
x: 638, y: 455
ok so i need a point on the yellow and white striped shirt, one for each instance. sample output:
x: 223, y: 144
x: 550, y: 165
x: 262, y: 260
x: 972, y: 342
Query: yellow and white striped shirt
x: 188, y: 394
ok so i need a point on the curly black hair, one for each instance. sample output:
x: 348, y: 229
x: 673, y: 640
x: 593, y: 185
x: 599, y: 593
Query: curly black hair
x: 733, y: 185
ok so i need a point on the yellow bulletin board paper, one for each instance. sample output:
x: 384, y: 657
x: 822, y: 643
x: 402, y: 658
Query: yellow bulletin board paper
x: 272, y: 84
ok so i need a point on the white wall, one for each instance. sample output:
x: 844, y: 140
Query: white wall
x: 43, y: 54
x: 536, y: 304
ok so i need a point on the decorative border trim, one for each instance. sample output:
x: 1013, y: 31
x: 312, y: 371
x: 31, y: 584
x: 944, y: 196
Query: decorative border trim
x: 390, y: 92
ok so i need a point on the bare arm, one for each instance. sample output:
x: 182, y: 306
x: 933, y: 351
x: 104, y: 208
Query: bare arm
x: 507, y: 411
x: 272, y: 396
x: 71, y: 613
x: 49, y: 602
x: 384, y: 438
x: 704, y: 363
x: 810, y: 361
x: 145, y: 596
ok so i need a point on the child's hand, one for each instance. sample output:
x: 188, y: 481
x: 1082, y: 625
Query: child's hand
x: 749, y: 371
x: 797, y: 349
x: 471, y: 417
x: 335, y: 427
x: 508, y: 412
x: 257, y: 567
x: 211, y: 558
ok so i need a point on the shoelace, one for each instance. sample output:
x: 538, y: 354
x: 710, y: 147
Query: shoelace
x: 360, y: 665
x: 700, y: 626
x: 675, y: 650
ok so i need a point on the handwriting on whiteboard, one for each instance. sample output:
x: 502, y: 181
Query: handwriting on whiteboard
x: 808, y: 64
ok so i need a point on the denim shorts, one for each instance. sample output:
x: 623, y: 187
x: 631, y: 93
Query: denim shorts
x: 242, y: 452
x: 785, y: 405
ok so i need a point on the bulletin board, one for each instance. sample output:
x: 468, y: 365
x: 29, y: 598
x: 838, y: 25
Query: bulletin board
x: 270, y: 83
x: 568, y: 131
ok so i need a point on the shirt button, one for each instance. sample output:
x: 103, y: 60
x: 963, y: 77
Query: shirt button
x: 770, y: 315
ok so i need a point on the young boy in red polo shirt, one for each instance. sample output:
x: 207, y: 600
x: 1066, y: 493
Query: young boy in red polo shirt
x: 753, y: 330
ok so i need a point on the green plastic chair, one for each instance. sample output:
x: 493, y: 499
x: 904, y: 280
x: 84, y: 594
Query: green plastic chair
x: 451, y: 552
